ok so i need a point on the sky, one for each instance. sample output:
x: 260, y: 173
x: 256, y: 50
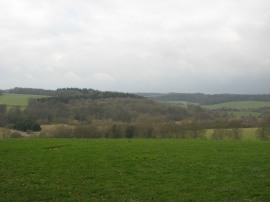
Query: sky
x: 183, y: 46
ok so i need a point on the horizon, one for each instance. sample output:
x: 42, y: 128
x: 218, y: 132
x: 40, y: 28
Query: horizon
x: 162, y: 93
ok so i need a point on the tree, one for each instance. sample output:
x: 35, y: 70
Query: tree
x: 263, y: 132
x: 130, y: 131
x: 14, y: 114
x: 236, y: 132
x: 219, y: 133
x: 194, y: 128
x: 115, y: 131
x: 26, y: 124
x: 3, y: 109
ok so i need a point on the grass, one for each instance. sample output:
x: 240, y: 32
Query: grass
x: 241, y: 108
x: 179, y: 103
x: 240, y: 105
x: 20, y: 100
x: 134, y: 170
x: 237, y: 109
x: 244, y: 113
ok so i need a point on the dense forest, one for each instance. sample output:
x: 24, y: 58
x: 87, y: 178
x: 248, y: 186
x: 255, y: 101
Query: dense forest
x: 207, y: 99
x: 92, y: 113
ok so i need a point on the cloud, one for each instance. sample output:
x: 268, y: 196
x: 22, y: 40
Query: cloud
x: 102, y: 77
x: 159, y: 46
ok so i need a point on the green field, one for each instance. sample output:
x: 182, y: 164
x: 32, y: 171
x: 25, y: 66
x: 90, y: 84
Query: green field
x: 20, y: 100
x: 241, y: 108
x: 134, y: 170
x: 237, y: 109
x: 236, y: 105
x: 240, y: 105
x: 179, y: 103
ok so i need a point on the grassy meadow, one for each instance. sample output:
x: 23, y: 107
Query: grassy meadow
x: 134, y: 170
x: 20, y: 100
x: 241, y: 108
x: 238, y: 109
x: 240, y: 105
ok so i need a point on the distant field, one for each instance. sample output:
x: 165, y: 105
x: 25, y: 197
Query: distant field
x: 240, y: 105
x: 236, y: 105
x: 179, y: 103
x: 241, y: 108
x: 134, y: 170
x: 238, y: 109
x: 20, y: 100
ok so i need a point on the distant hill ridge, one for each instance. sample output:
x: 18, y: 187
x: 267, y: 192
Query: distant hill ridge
x: 71, y: 93
x: 205, y: 99
x: 200, y: 98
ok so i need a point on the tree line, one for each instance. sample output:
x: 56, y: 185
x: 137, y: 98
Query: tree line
x: 15, y: 118
x: 70, y: 93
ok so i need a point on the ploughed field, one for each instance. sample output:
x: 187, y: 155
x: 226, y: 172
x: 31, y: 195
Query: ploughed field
x: 134, y: 170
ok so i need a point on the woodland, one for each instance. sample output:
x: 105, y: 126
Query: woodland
x: 88, y: 113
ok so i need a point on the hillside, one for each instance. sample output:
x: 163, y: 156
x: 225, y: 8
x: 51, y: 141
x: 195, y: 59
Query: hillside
x: 93, y: 113
x: 207, y: 99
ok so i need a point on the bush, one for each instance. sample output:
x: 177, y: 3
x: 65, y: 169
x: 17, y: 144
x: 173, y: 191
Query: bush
x: 62, y: 132
x: 26, y: 124
x: 88, y: 131
x: 116, y: 131
x: 130, y: 131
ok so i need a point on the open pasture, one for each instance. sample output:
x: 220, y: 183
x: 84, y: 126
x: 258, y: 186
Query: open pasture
x: 134, y: 170
x: 241, y: 108
x: 20, y: 100
x: 240, y: 105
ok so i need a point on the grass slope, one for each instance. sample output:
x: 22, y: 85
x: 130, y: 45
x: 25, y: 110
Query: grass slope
x: 20, y: 100
x: 135, y: 170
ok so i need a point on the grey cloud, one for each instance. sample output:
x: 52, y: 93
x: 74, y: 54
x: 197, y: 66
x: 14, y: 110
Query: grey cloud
x: 183, y: 46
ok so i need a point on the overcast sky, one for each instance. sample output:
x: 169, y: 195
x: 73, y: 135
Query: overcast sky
x: 208, y: 46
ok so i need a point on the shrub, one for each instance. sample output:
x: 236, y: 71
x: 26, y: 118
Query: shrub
x: 87, y: 131
x: 130, y: 131
x: 26, y: 124
x: 116, y: 131
x: 62, y: 132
